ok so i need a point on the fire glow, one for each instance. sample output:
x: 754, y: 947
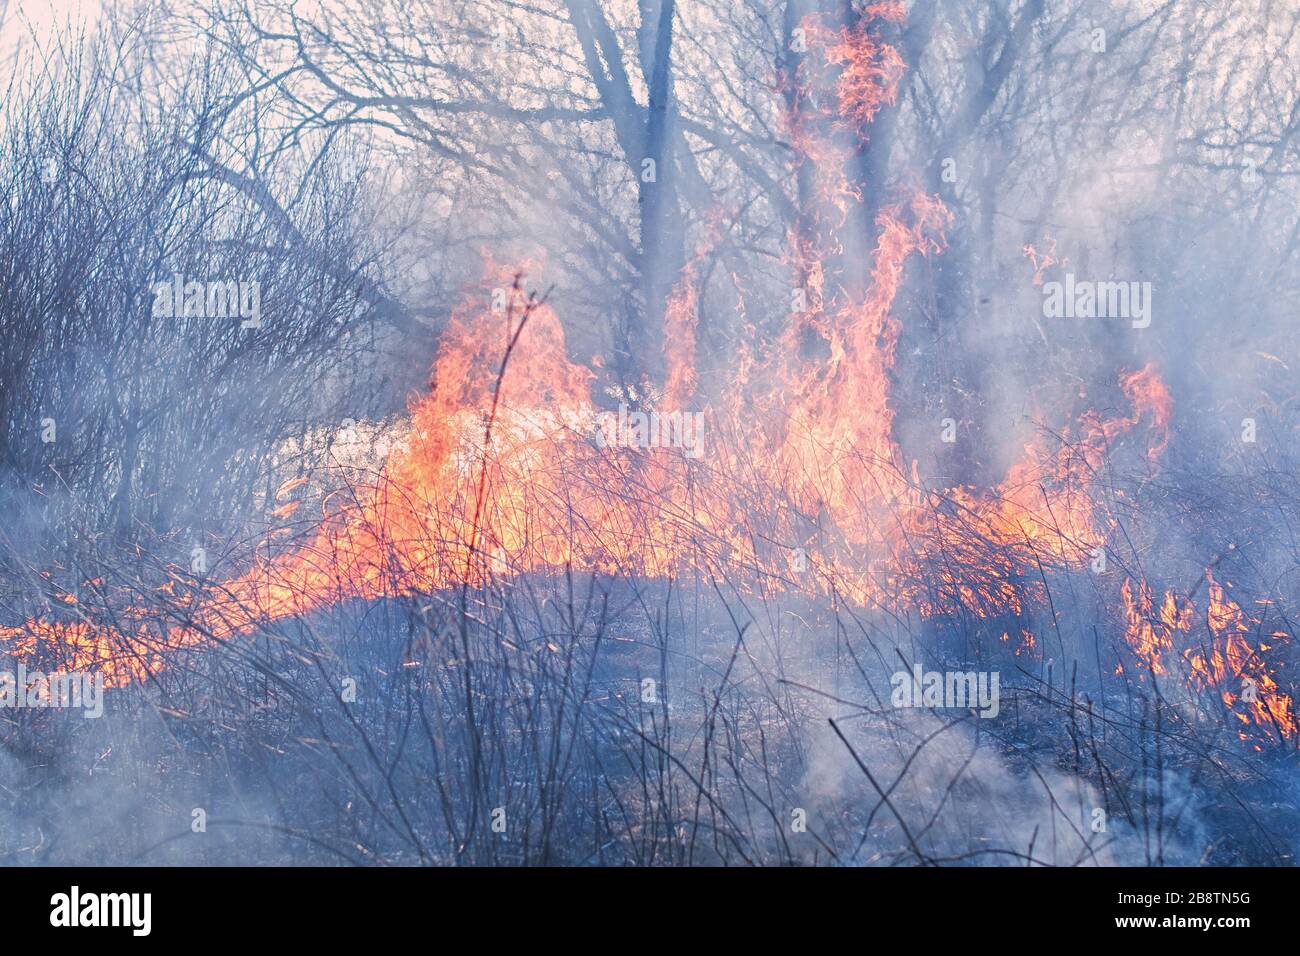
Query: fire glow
x: 507, y: 468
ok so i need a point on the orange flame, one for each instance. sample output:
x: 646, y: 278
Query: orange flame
x: 517, y: 470
x: 1221, y: 660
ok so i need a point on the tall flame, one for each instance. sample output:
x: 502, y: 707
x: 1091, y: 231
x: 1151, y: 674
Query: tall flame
x: 503, y: 471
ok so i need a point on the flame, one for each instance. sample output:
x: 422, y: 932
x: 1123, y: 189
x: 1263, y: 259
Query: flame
x: 1219, y: 662
x: 1044, y: 259
x: 869, y: 71
x: 681, y: 319
x: 505, y: 468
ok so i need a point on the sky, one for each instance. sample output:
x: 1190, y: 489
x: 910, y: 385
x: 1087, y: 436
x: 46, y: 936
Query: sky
x: 25, y: 21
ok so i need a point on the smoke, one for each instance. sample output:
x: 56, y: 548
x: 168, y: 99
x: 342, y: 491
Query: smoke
x: 786, y: 234
x: 951, y: 796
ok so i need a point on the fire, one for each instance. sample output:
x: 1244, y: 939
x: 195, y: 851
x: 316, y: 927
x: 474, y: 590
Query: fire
x: 500, y: 473
x: 1219, y: 660
x: 1044, y: 259
x: 474, y: 492
x: 869, y: 71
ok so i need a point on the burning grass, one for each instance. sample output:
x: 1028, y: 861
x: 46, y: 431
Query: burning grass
x: 510, y: 580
